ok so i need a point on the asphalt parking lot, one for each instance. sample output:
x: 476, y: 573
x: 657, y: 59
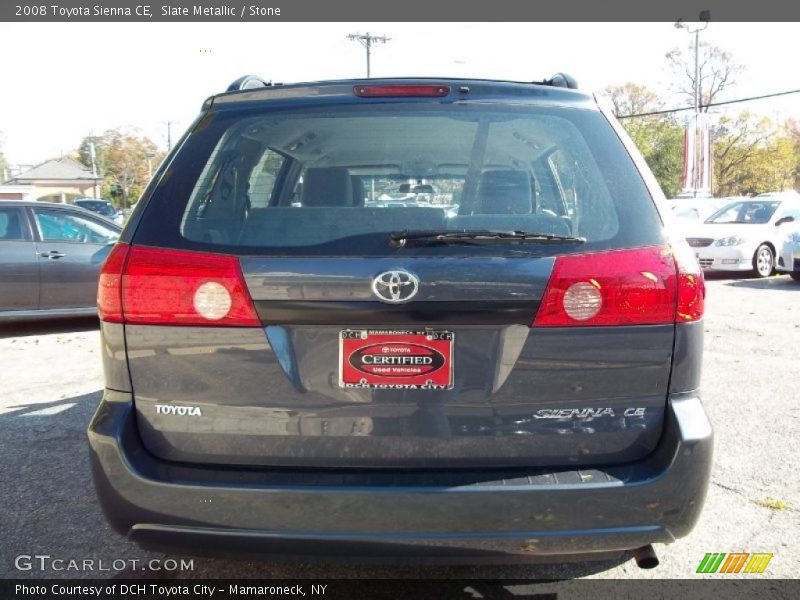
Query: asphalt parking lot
x: 52, y: 379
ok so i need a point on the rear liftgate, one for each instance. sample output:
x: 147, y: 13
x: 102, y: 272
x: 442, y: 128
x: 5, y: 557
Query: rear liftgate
x: 333, y: 362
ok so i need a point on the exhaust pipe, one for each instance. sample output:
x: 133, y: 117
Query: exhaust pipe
x: 645, y: 557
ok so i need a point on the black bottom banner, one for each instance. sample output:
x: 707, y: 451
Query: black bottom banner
x: 397, y: 589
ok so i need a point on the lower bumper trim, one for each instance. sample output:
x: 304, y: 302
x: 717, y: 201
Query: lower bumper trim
x: 392, y: 544
x: 158, y: 503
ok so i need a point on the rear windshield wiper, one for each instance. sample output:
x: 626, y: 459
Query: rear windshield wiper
x: 476, y: 236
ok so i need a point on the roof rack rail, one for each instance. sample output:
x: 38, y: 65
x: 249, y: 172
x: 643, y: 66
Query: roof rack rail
x: 562, y: 80
x: 248, y: 82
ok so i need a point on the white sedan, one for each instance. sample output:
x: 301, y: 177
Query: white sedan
x: 789, y: 254
x: 744, y: 235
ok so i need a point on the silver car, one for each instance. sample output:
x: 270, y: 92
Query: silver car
x: 789, y: 253
x: 50, y: 258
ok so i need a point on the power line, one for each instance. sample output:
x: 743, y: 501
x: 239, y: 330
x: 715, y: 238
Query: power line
x: 674, y: 110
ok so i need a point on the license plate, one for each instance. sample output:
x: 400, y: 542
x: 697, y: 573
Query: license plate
x: 389, y: 359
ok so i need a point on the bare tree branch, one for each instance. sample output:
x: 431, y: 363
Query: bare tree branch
x: 717, y: 72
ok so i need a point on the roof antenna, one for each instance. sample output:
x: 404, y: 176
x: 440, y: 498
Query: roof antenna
x: 248, y: 82
x: 563, y: 80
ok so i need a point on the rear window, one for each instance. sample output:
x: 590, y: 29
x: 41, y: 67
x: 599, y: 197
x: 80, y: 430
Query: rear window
x: 339, y: 180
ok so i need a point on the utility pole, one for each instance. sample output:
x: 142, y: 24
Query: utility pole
x: 93, y: 156
x: 150, y: 156
x: 367, y: 41
x: 697, y: 177
x: 169, y: 136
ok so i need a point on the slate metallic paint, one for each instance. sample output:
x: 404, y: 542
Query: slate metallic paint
x: 241, y: 384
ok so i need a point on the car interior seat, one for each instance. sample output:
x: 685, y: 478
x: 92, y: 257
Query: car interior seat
x: 504, y: 192
x: 505, y: 201
x: 327, y: 186
x: 761, y: 215
x: 359, y: 192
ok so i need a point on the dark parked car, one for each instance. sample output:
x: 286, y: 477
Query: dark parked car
x: 289, y: 369
x: 50, y: 258
x: 101, y: 207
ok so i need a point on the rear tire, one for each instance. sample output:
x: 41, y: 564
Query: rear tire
x: 763, y: 261
x: 795, y: 276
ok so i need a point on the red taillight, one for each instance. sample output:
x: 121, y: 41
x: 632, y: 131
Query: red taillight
x: 401, y: 91
x: 691, y: 285
x: 109, y: 289
x: 175, y: 287
x: 622, y: 287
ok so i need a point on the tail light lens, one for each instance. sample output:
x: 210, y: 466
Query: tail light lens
x: 109, y: 289
x: 153, y: 286
x: 691, y: 285
x: 644, y: 286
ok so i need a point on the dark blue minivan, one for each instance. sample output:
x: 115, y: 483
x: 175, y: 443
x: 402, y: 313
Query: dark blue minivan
x: 297, y: 361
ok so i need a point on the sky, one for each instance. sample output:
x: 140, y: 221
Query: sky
x: 64, y: 81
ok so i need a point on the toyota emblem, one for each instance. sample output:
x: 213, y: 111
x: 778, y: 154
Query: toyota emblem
x: 395, y: 286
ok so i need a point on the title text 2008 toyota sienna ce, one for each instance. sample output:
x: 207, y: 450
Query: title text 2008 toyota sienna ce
x: 402, y: 316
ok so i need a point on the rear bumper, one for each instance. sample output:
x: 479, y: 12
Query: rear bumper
x: 371, y: 513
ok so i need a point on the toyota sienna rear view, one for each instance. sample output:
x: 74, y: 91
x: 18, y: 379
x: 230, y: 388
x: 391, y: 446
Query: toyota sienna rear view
x: 303, y: 354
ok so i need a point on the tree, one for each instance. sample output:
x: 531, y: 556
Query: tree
x: 752, y: 155
x: 792, y: 128
x: 776, y: 168
x: 663, y: 152
x: 718, y: 72
x: 121, y: 158
x: 632, y: 99
x: 658, y: 137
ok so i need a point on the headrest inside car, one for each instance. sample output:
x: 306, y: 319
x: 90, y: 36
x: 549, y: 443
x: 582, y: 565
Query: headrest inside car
x: 327, y: 187
x: 504, y: 192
